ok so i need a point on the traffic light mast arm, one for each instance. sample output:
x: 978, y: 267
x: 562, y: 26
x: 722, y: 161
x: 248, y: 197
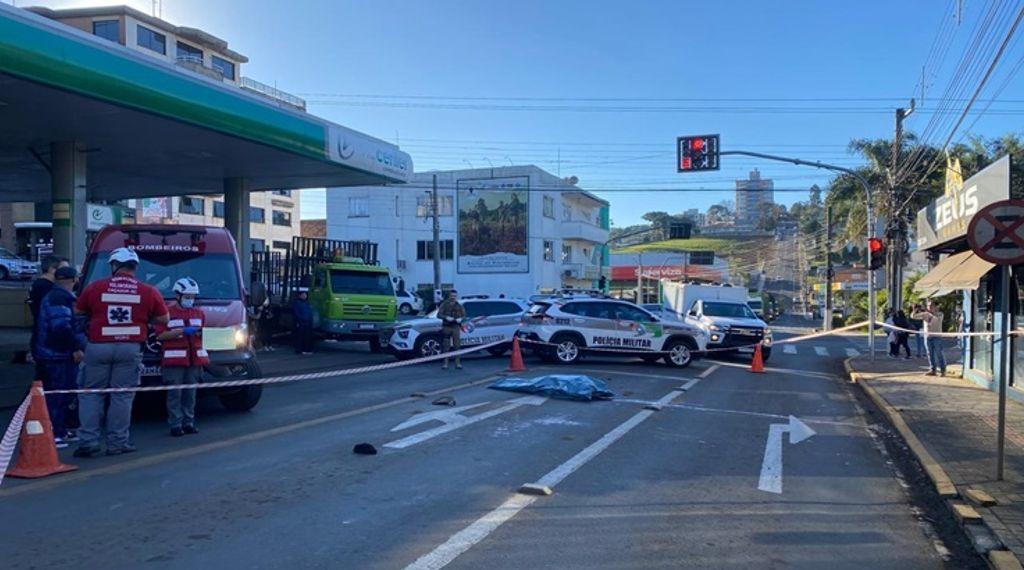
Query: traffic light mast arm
x: 870, y: 219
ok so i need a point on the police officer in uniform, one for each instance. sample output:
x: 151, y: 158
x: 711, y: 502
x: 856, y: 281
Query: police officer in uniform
x: 452, y: 313
x: 118, y: 310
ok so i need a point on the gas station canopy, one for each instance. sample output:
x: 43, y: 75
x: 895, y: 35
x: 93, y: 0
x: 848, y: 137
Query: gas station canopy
x: 151, y: 128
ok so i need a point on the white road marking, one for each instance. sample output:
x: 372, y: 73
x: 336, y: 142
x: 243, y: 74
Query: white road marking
x: 710, y: 370
x: 771, y: 465
x: 696, y: 408
x: 690, y: 383
x: 457, y: 423
x: 447, y: 416
x: 851, y: 352
x: 789, y: 348
x: 624, y: 373
x: 821, y: 351
x: 480, y: 529
x: 793, y: 371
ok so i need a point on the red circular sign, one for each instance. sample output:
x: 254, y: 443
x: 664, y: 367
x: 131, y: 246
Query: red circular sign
x: 996, y: 232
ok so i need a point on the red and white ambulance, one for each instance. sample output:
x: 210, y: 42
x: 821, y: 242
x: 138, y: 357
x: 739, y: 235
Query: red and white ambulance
x: 208, y: 255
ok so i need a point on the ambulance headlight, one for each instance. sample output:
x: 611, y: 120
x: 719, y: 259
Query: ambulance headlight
x: 242, y: 335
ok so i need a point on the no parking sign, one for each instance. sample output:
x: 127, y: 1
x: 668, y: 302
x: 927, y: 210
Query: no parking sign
x: 996, y: 233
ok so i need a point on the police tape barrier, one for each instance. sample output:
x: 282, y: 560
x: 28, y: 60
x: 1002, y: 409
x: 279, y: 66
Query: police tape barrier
x: 10, y: 440
x: 944, y: 334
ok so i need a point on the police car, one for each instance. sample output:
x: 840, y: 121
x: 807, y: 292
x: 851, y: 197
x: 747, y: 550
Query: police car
x: 487, y: 320
x: 569, y: 326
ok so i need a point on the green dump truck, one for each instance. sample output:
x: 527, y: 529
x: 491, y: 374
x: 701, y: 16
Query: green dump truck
x: 353, y: 297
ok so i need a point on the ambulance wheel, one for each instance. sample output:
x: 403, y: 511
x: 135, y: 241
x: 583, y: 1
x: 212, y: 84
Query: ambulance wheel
x: 247, y: 397
x: 568, y: 348
x: 679, y: 353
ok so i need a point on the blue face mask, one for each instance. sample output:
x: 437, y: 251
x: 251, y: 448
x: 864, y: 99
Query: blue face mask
x: 187, y: 303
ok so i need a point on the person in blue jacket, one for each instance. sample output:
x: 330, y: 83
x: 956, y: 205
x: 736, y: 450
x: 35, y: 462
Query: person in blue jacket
x: 303, y: 313
x: 60, y: 343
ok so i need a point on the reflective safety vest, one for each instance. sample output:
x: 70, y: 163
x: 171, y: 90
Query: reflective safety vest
x: 184, y: 351
x: 119, y: 309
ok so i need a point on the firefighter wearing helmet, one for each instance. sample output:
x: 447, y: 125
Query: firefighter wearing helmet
x: 183, y: 356
x: 119, y: 310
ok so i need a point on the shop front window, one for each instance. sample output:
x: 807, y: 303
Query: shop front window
x: 981, y: 321
x: 1018, y: 321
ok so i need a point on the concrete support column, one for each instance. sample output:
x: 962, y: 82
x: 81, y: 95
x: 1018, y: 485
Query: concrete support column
x: 67, y: 193
x: 236, y: 219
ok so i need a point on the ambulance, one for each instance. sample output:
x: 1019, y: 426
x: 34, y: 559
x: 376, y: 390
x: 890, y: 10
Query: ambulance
x: 208, y: 255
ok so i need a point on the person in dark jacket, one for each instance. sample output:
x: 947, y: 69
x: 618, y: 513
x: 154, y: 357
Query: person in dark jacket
x: 902, y: 337
x: 40, y: 287
x: 303, y: 313
x: 60, y: 343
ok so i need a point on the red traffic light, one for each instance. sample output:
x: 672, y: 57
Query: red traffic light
x: 875, y: 245
x: 877, y: 249
x: 697, y: 144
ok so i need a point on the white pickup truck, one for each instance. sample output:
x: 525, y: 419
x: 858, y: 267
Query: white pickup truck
x: 722, y: 312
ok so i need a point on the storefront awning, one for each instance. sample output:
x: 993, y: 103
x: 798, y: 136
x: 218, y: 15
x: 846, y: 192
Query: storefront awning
x: 961, y: 271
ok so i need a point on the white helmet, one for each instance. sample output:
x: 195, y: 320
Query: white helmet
x: 186, y: 286
x: 123, y: 255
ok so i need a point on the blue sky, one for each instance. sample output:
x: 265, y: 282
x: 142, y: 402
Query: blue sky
x: 568, y: 54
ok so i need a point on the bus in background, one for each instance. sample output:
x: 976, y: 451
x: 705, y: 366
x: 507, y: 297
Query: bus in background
x: 208, y: 255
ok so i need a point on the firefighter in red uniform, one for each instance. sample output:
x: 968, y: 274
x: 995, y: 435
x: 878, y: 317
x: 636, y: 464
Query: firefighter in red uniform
x: 183, y: 357
x: 119, y: 310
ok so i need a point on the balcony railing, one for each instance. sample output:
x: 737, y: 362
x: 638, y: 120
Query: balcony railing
x: 584, y: 231
x: 273, y: 93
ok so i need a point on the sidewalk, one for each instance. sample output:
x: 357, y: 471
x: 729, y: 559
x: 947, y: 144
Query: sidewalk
x: 950, y: 424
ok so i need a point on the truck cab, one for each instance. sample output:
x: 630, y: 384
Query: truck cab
x: 722, y: 312
x: 208, y: 255
x: 353, y: 300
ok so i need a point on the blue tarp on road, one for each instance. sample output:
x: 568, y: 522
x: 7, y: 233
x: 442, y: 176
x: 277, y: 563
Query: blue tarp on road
x: 560, y: 386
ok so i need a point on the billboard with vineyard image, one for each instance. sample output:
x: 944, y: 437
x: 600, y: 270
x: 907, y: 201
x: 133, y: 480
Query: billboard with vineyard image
x: 493, y: 222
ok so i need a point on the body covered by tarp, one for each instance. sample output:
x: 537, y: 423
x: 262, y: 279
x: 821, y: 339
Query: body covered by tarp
x: 559, y: 386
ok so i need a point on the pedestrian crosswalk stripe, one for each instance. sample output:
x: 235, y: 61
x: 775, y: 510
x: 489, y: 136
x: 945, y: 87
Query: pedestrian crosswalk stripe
x: 852, y: 352
x: 789, y: 349
x: 821, y: 350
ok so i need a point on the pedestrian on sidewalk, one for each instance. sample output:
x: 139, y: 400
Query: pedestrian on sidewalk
x: 890, y: 334
x: 40, y: 288
x: 962, y: 327
x: 902, y: 336
x: 303, y: 313
x: 932, y: 319
x: 183, y: 356
x: 918, y: 325
x: 451, y: 313
x: 118, y: 309
x: 59, y: 348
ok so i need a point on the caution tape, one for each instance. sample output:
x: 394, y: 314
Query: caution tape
x: 945, y: 334
x: 10, y: 440
x: 282, y: 379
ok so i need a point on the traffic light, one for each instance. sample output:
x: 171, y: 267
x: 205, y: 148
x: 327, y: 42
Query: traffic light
x: 877, y: 248
x: 697, y: 153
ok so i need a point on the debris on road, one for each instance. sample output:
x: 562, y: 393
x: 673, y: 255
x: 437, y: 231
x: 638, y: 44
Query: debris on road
x: 364, y: 449
x: 444, y: 401
x: 418, y: 395
x: 535, y: 489
x: 560, y: 386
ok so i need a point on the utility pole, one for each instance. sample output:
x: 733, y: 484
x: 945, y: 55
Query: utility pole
x: 639, y: 277
x: 896, y: 229
x: 437, y: 238
x: 829, y: 273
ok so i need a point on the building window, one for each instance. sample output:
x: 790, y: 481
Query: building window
x: 218, y: 209
x: 151, y: 40
x: 566, y: 214
x: 549, y: 250
x: 425, y: 249
x: 281, y: 245
x: 359, y: 207
x: 190, y: 205
x: 189, y: 53
x: 287, y: 193
x: 549, y: 207
x: 282, y: 218
x: 257, y: 244
x: 566, y: 253
x: 444, y: 205
x: 702, y: 257
x: 108, y: 30
x: 225, y: 67
x: 257, y: 215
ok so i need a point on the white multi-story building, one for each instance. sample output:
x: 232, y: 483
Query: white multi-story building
x: 514, y: 230
x: 752, y: 196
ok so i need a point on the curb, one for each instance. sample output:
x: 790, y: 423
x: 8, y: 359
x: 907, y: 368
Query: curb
x: 998, y: 557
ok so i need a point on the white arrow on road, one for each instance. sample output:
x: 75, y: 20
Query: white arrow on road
x: 453, y: 420
x: 771, y: 467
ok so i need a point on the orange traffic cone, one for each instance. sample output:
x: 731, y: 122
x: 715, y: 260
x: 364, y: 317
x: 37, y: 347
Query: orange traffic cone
x: 757, y: 363
x: 515, y: 364
x: 37, y: 453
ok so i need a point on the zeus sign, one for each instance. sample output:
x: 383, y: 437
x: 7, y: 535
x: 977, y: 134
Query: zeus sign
x: 947, y: 217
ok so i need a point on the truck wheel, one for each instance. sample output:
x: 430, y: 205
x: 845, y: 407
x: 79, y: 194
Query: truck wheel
x: 405, y: 309
x: 568, y: 348
x: 680, y: 354
x: 247, y: 397
x: 428, y: 345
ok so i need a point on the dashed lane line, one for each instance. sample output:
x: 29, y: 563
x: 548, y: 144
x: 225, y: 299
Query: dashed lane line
x: 709, y: 371
x: 789, y: 349
x: 821, y: 351
x: 480, y: 529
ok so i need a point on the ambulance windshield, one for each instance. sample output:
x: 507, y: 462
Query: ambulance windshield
x: 162, y: 270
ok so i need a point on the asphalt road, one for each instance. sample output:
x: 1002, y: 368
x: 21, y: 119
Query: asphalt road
x: 632, y: 488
